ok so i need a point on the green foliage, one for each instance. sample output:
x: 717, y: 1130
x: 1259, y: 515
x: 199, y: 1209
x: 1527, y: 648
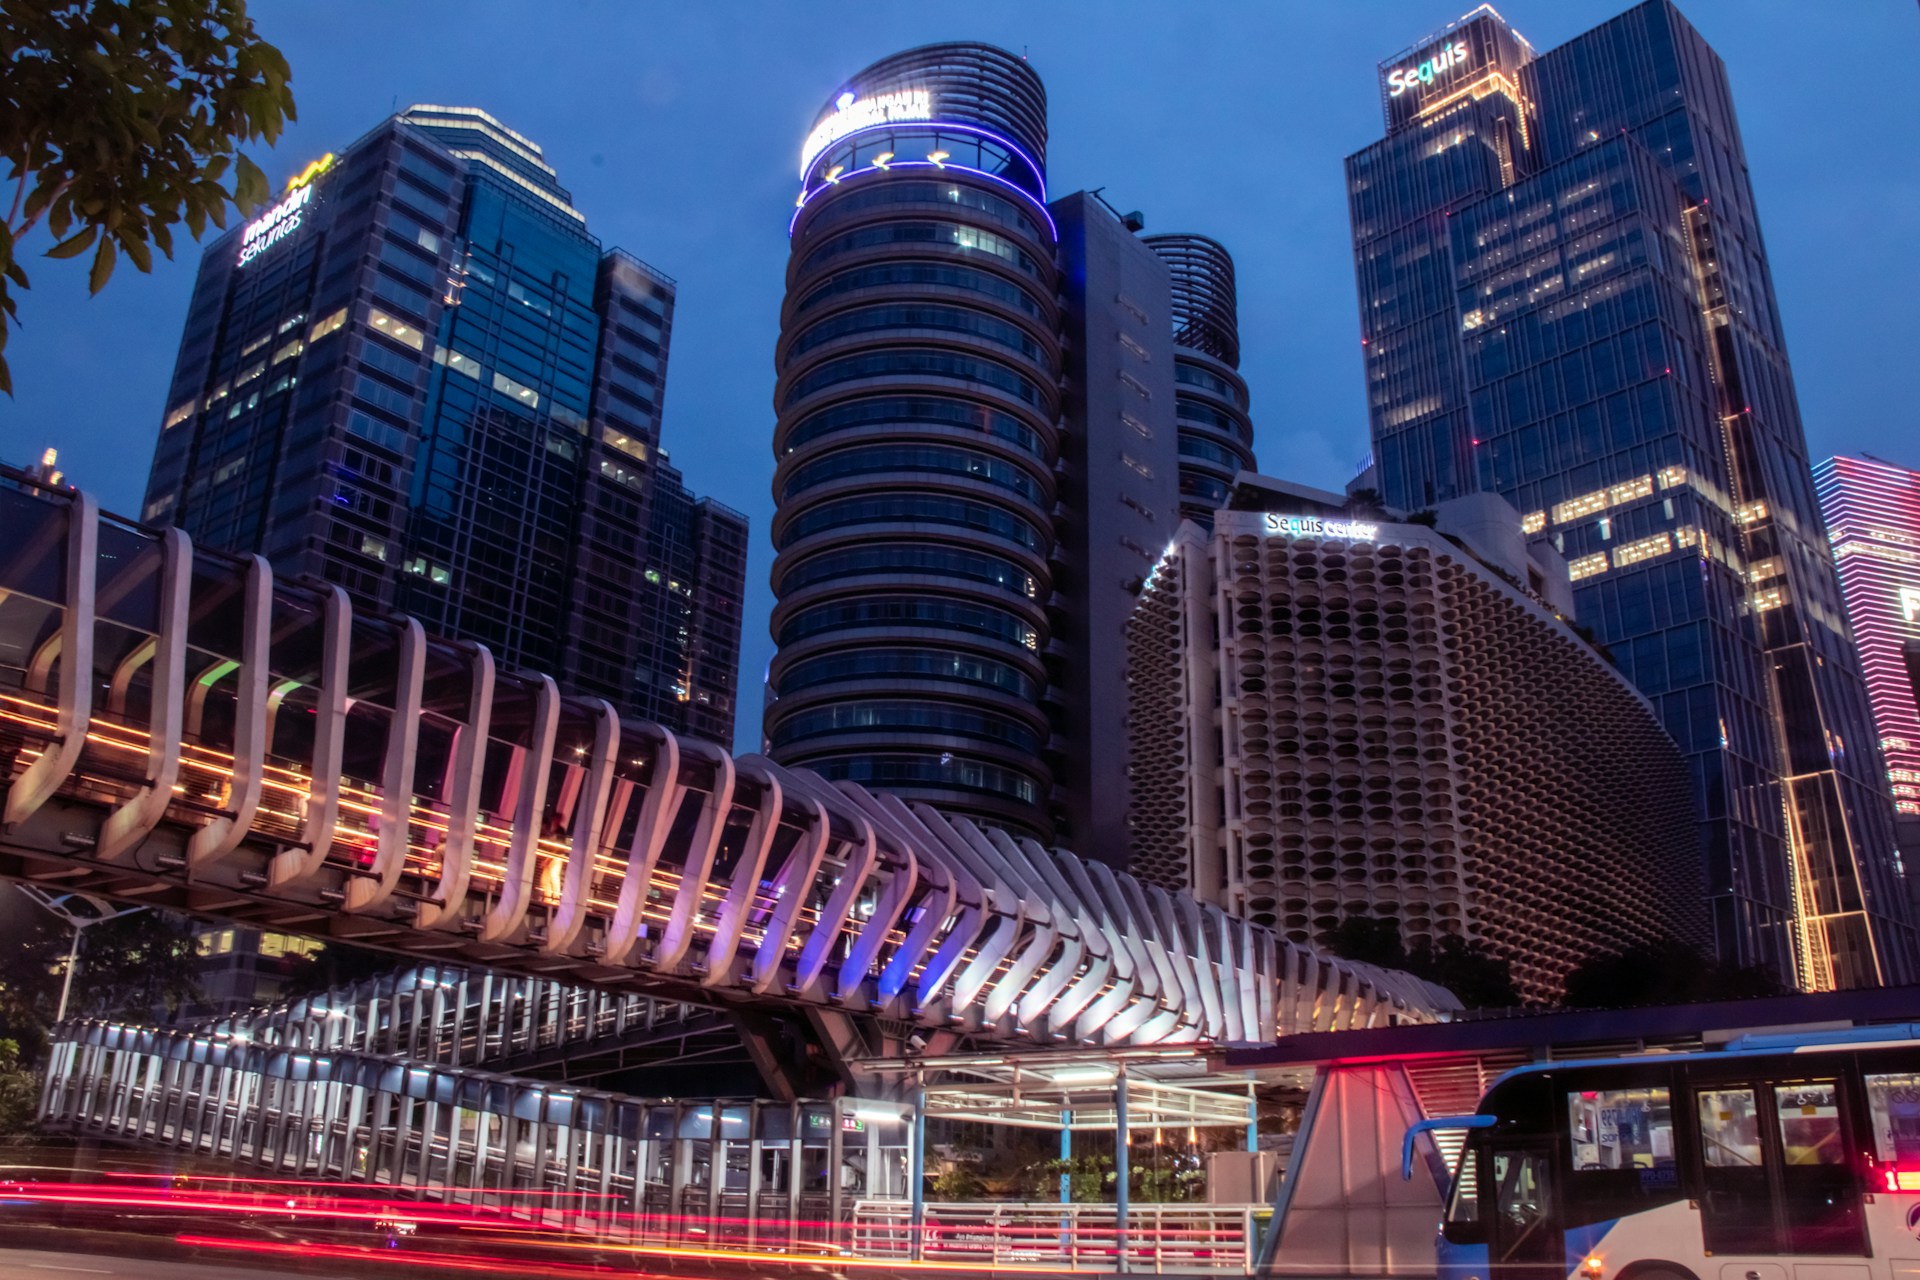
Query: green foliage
x: 959, y: 1181
x: 136, y: 965
x: 19, y: 1093
x: 1156, y: 1174
x: 121, y: 119
x: 31, y: 966
x: 1664, y: 972
x: 337, y: 964
x: 1480, y: 977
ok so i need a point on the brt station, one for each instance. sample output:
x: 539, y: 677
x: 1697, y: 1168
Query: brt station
x: 853, y: 1175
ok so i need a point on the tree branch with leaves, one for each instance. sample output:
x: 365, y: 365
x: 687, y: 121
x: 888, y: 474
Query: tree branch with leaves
x: 121, y: 120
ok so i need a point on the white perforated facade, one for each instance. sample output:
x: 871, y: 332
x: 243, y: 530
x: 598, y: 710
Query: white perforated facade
x: 1324, y: 725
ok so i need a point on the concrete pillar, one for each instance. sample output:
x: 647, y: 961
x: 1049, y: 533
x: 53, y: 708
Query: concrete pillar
x: 1122, y: 1172
x: 916, y: 1173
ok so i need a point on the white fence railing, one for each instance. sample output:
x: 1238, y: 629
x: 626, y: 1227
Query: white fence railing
x: 1160, y: 1238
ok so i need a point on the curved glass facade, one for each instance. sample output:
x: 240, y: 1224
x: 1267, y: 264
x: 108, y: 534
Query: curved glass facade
x: 1210, y: 400
x: 919, y: 370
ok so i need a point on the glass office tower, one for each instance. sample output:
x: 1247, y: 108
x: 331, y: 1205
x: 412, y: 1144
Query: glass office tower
x: 983, y: 436
x: 1210, y: 402
x: 918, y: 401
x: 419, y: 377
x: 1565, y: 299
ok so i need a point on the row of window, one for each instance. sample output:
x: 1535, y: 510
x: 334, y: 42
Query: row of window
x: 897, y: 191
x: 911, y: 717
x: 906, y: 410
x: 945, y: 770
x: 919, y: 316
x: 956, y: 234
x: 913, y: 558
x: 911, y: 611
x: 918, y: 664
x: 1188, y: 409
x: 1195, y: 376
x: 912, y: 362
x: 918, y: 508
x: 1192, y: 446
x: 925, y: 273
x: 905, y: 459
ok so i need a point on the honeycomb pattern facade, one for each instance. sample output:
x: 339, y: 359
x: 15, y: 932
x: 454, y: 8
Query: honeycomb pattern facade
x: 1324, y: 727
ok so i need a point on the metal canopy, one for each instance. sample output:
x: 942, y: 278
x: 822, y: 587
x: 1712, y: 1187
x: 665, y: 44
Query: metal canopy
x: 1075, y: 1090
x: 1037, y: 1104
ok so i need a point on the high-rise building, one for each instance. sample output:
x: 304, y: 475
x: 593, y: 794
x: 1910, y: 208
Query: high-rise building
x: 982, y: 446
x: 419, y: 377
x: 919, y: 427
x: 1336, y: 715
x: 1565, y: 300
x: 979, y: 457
x: 1216, y: 433
x: 1872, y: 510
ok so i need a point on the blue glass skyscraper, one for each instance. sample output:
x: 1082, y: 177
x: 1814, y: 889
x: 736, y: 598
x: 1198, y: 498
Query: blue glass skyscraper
x: 1565, y: 299
x: 419, y: 377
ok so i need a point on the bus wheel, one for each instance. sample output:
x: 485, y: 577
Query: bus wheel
x: 1657, y: 1271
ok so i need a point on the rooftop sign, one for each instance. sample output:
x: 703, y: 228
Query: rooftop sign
x: 283, y: 219
x: 1320, y: 527
x: 854, y: 113
x: 1437, y: 62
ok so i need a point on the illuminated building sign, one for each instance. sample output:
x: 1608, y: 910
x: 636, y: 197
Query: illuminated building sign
x: 284, y: 218
x: 1442, y: 60
x: 1318, y: 527
x: 858, y: 113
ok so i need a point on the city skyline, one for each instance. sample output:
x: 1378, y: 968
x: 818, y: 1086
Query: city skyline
x: 1295, y: 287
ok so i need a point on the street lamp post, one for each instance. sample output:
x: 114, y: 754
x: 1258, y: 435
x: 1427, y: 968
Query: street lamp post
x: 92, y: 911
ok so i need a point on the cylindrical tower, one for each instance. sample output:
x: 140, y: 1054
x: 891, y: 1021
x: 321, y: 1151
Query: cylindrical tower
x: 1210, y: 399
x: 918, y: 402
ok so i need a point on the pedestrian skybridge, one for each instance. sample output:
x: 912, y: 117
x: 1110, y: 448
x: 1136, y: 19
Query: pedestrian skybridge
x: 179, y: 728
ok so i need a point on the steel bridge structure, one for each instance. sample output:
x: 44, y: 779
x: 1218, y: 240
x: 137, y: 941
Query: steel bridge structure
x: 177, y: 727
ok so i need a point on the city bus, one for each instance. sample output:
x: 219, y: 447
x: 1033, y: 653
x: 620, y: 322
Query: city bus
x: 1780, y: 1157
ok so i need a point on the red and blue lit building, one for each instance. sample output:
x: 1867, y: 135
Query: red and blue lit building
x: 1872, y: 510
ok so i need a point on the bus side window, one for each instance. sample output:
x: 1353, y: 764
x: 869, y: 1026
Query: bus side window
x: 1810, y: 1123
x: 1463, y: 1224
x: 1730, y: 1129
x: 1620, y: 1128
x: 1893, y: 1100
x: 1620, y: 1145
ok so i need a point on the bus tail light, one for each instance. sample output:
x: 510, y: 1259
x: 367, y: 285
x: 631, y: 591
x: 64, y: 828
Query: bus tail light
x: 1591, y: 1268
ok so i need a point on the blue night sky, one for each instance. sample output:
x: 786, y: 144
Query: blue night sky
x: 677, y: 128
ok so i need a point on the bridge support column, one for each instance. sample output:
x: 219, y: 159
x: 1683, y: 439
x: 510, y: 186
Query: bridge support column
x: 1066, y: 1183
x: 1122, y: 1173
x: 917, y: 1174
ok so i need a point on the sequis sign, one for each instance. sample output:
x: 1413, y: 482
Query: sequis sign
x: 1422, y: 73
x: 284, y: 218
x: 1319, y: 527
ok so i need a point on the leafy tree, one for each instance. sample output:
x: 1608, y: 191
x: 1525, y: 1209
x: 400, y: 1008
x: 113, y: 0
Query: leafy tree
x: 337, y: 964
x: 19, y: 1093
x: 1481, y: 978
x: 1664, y: 972
x: 134, y: 966
x: 123, y: 118
x: 30, y: 972
x: 1368, y: 940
